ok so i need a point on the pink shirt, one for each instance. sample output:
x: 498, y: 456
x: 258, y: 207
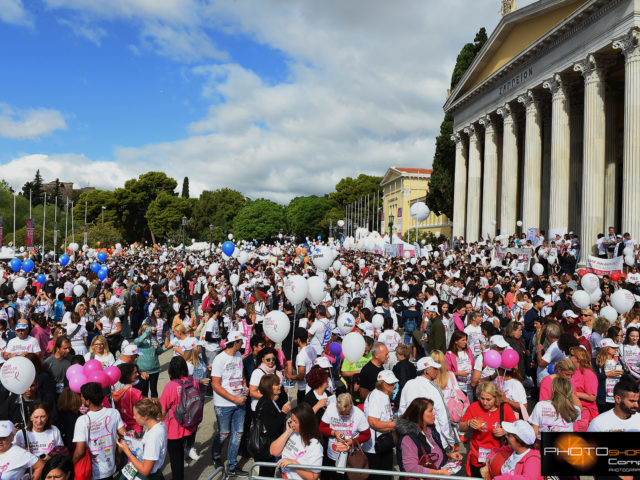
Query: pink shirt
x: 42, y: 335
x: 586, y: 381
x: 169, y: 400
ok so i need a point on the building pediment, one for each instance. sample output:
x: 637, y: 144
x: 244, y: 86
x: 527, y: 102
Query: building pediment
x: 515, y: 32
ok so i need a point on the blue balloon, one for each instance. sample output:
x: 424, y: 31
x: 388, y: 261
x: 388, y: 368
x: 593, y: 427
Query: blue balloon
x: 95, y: 267
x: 15, y: 264
x: 319, y: 237
x: 41, y: 278
x: 27, y: 265
x: 64, y: 259
x: 102, y: 257
x: 102, y: 274
x: 228, y: 248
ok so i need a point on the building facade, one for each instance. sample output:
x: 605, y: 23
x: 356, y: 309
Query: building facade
x: 547, y: 123
x: 402, y: 187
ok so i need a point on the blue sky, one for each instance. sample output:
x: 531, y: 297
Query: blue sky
x: 273, y: 98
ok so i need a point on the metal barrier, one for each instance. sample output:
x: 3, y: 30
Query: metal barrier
x: 386, y: 473
x: 216, y: 472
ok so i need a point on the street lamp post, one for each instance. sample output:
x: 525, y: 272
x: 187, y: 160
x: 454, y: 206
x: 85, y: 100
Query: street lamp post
x: 184, y: 228
x: 103, y: 209
x: 391, y: 218
x: 210, y: 238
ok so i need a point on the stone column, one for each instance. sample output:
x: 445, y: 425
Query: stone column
x: 611, y: 186
x: 473, y: 190
x: 630, y: 46
x: 509, y: 185
x: 460, y: 186
x: 560, y: 153
x: 532, y: 187
x: 576, y: 125
x: 489, y: 178
x: 593, y: 69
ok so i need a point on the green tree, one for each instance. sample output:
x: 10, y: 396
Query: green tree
x: 107, y: 234
x: 95, y: 200
x: 217, y: 208
x: 165, y: 214
x: 440, y: 195
x: 185, y: 187
x: 347, y: 191
x: 305, y: 216
x: 260, y: 219
x: 34, y: 188
x: 56, y: 193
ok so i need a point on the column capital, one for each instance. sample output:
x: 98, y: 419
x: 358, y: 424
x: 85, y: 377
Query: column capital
x: 506, y: 112
x: 559, y: 85
x: 456, y: 137
x: 629, y: 44
x: 530, y: 100
x: 594, y: 67
x: 487, y: 122
x: 471, y: 131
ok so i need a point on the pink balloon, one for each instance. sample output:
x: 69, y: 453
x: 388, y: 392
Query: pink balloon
x: 510, y: 359
x: 76, y: 382
x: 99, y: 377
x: 92, y: 366
x: 73, y: 371
x: 113, y: 373
x: 492, y: 358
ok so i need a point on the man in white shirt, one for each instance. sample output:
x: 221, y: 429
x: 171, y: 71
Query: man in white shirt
x: 229, y: 398
x: 22, y: 343
x: 624, y: 416
x: 304, y: 362
x: 423, y: 387
x: 319, y: 333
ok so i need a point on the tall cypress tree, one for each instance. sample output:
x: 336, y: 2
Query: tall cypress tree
x: 440, y: 195
x: 185, y: 187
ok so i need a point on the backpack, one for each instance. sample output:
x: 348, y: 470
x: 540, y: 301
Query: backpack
x: 188, y: 412
x: 410, y: 323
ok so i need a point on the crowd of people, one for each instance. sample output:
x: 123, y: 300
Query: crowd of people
x: 426, y: 395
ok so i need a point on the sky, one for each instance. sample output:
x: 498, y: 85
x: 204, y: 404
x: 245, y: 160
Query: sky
x: 274, y: 98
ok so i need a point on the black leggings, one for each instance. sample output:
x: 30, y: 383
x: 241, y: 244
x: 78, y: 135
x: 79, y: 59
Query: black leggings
x: 380, y: 461
x: 152, y: 382
x: 175, y: 448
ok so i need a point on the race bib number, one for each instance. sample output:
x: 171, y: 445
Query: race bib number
x: 129, y: 471
x: 483, y: 453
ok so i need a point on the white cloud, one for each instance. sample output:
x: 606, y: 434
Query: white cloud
x: 13, y: 11
x: 29, y: 124
x: 82, y: 28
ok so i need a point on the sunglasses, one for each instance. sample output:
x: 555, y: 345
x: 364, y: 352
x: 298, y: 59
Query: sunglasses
x: 270, y: 359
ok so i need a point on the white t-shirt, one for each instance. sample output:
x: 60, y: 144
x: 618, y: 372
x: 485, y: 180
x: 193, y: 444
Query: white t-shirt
x: 510, y: 463
x: 349, y: 426
x: 155, y: 445
x: 212, y: 327
x: 108, y: 326
x: 610, y: 422
x: 317, y: 332
x: 305, y: 359
x: 304, y: 454
x: 28, y: 345
x: 176, y: 342
x: 106, y: 360
x: 377, y: 405
x: 40, y: 442
x: 514, y: 391
x: 229, y: 369
x: 476, y: 339
x: 254, y: 381
x: 77, y: 340
x: 464, y: 365
x: 101, y: 442
x: 390, y: 338
x: 552, y: 355
x: 545, y: 417
x: 15, y: 462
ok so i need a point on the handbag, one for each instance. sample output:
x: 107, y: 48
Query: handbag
x: 457, y: 404
x: 82, y: 468
x: 357, y: 459
x: 258, y: 442
x: 384, y: 443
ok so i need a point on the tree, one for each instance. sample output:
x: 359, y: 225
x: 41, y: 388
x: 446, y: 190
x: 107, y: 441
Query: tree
x: 95, y: 200
x: 440, y: 195
x: 185, y: 187
x: 217, y: 208
x: 348, y: 190
x: 107, y: 234
x: 165, y: 214
x: 260, y: 220
x: 5, y: 187
x: 305, y: 215
x: 33, y: 189
x: 56, y: 193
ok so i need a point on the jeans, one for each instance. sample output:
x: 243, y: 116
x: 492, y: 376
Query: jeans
x: 407, y: 338
x: 230, y: 421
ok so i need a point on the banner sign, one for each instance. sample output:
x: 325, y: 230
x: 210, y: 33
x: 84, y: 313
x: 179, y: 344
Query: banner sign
x: 29, y: 233
x: 522, y: 254
x: 85, y: 235
x: 532, y: 234
x: 604, y: 266
x: 390, y: 249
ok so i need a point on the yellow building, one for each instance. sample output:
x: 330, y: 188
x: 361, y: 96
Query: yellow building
x: 402, y: 187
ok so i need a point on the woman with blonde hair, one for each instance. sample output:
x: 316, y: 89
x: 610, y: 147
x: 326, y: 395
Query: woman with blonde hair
x: 560, y: 412
x: 609, y: 369
x: 564, y: 368
x: 179, y: 340
x: 445, y: 379
x: 99, y: 350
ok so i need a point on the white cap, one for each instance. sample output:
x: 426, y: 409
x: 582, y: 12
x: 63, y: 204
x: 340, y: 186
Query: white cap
x: 6, y: 428
x: 130, y: 349
x: 498, y: 341
x: 431, y: 282
x: 412, y: 302
x: 241, y: 312
x: 234, y: 337
x: 522, y: 429
x: 331, y: 311
x: 327, y: 298
x: 426, y: 362
x: 337, y: 331
x: 607, y: 342
x: 432, y: 308
x: 190, y: 343
x: 569, y: 313
x: 322, y: 362
x: 387, y: 376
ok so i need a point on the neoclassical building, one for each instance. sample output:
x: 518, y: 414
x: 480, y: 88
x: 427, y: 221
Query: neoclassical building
x: 547, y: 123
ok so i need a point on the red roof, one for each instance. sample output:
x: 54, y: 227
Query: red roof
x: 423, y: 171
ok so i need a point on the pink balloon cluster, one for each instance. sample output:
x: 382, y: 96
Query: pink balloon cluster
x: 92, y: 372
x: 508, y: 360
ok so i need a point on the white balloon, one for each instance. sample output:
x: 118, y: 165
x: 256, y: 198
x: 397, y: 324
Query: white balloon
x: 436, y: 254
x: 295, y: 289
x: 243, y: 258
x: 630, y: 260
x: 19, y: 284
x: 73, y: 247
x: 622, y: 300
x: 361, y: 263
x: 519, y: 223
x: 337, y: 265
x: 340, y: 223
x: 609, y: 313
x: 17, y: 374
x: 344, y: 271
x: 353, y: 346
x: 378, y: 321
x: 446, y: 262
x: 234, y: 279
x: 322, y: 257
x: 423, y: 241
x: 213, y: 268
x: 276, y: 325
x: 230, y: 236
x: 317, y: 289
x: 79, y: 267
x: 78, y: 291
x: 581, y: 299
x: 627, y: 251
x: 346, y: 323
x: 537, y: 269
x: 552, y: 259
x: 595, y: 295
x: 333, y: 282
x: 437, y: 234
x: 590, y: 282
x: 419, y: 211
x: 225, y: 257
